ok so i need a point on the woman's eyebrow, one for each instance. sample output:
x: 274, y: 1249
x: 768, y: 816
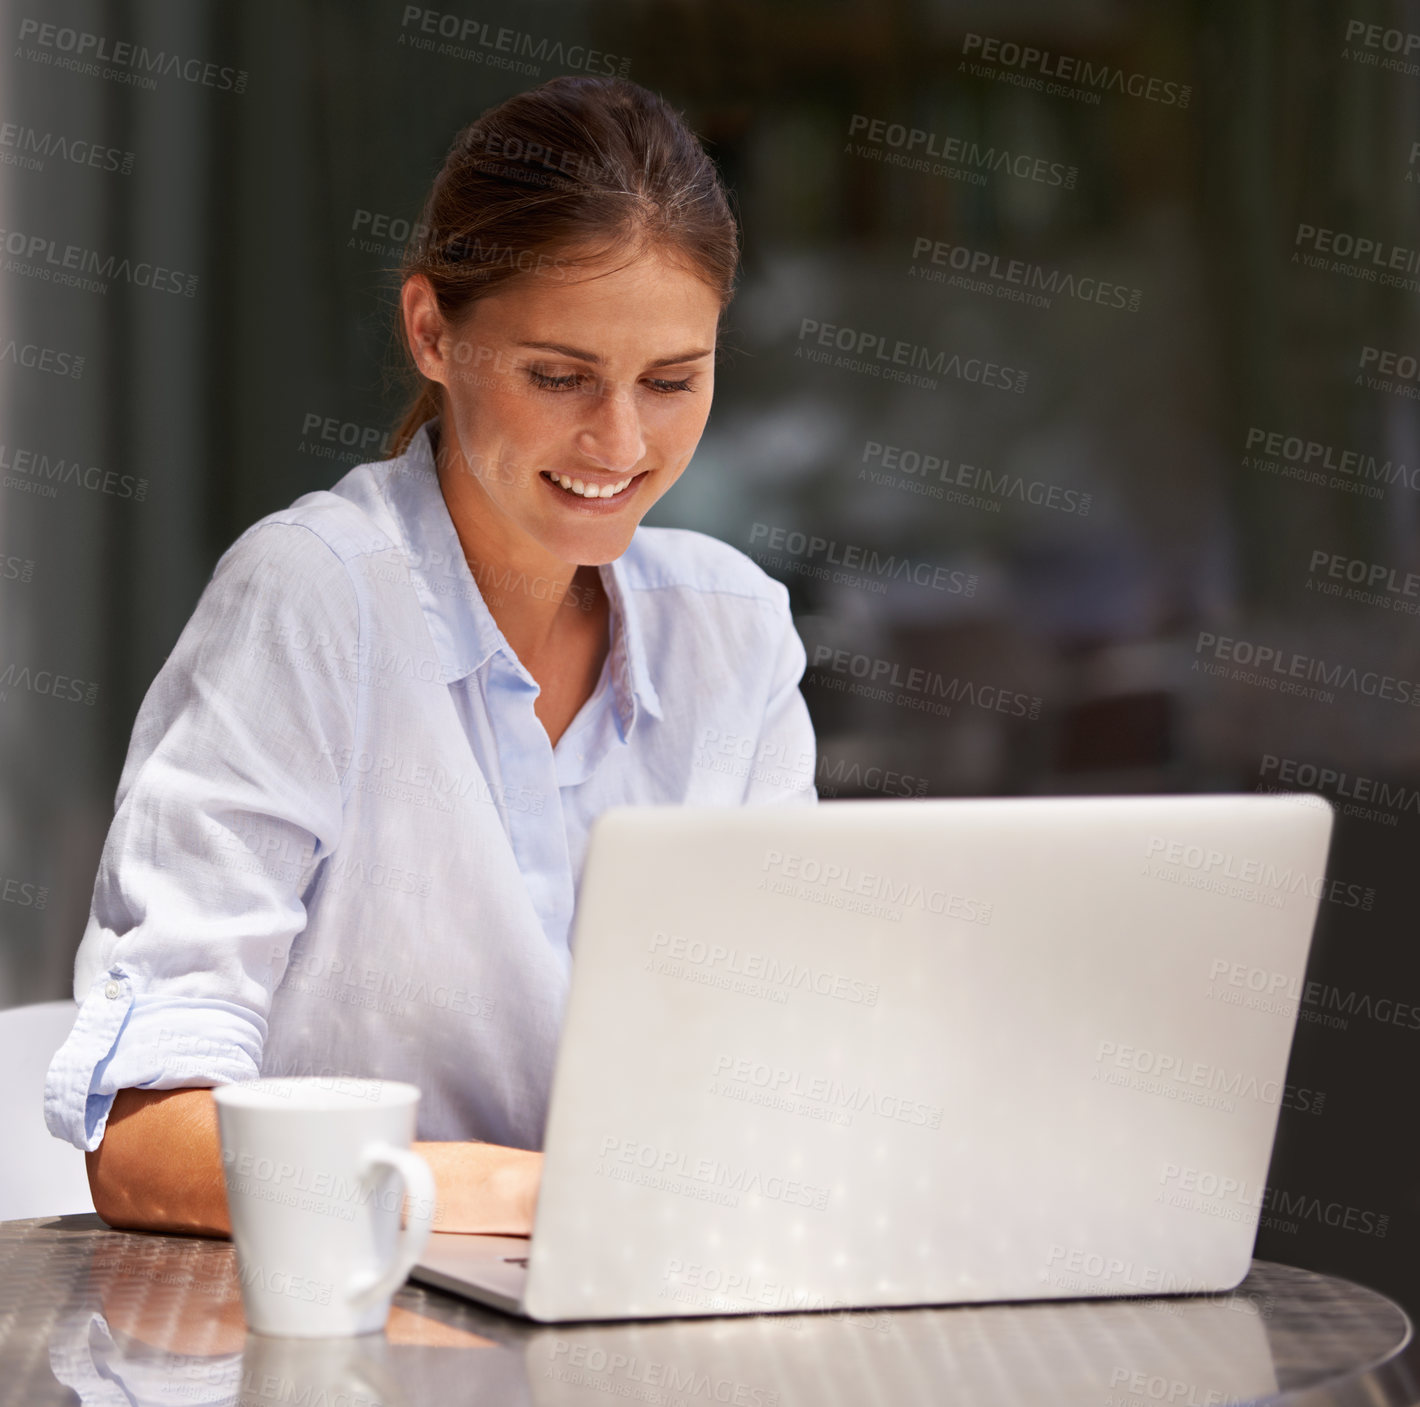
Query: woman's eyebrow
x: 580, y: 355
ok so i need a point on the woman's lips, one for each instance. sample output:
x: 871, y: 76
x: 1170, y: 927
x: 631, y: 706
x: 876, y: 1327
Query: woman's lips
x: 593, y: 505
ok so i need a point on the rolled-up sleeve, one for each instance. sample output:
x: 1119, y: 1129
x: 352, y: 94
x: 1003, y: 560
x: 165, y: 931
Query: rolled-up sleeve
x: 785, y: 756
x: 230, y: 795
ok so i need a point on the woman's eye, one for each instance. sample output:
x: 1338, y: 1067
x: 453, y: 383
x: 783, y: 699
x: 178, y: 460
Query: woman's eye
x: 573, y: 380
x: 552, y: 383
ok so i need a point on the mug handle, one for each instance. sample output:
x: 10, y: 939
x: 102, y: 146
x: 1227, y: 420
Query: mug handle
x: 369, y: 1286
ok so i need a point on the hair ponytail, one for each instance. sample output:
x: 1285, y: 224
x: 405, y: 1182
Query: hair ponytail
x: 565, y: 174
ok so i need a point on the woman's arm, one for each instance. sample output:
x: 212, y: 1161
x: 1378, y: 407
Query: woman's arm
x: 159, y: 1168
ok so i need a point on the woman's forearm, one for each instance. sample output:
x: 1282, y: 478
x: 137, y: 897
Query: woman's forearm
x: 159, y: 1168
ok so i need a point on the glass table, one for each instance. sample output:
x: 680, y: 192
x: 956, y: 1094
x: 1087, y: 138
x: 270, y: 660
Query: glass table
x: 97, y: 1316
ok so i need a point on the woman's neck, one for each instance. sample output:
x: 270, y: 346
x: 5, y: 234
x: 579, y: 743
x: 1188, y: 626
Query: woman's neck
x: 541, y: 606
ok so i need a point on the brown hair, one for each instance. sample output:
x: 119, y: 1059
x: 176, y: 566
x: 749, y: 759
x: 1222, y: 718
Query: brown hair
x: 599, y: 165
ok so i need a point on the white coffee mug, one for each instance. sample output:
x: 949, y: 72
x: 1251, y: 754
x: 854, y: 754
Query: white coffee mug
x: 318, y: 1169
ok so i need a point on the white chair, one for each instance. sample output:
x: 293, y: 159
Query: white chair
x: 40, y: 1175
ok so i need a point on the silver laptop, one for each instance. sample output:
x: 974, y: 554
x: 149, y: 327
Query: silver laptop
x: 880, y: 1053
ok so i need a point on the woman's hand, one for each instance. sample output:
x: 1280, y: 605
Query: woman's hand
x: 483, y: 1187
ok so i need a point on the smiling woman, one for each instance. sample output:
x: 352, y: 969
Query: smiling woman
x: 577, y: 253
x: 351, y: 824
x: 551, y: 454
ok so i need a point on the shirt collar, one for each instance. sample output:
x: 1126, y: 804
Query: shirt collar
x: 463, y: 631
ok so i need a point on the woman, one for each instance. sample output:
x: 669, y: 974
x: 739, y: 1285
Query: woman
x: 352, y: 819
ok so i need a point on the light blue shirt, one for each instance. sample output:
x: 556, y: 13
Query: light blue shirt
x: 343, y: 843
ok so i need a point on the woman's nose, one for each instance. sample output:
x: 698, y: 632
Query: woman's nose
x: 612, y: 435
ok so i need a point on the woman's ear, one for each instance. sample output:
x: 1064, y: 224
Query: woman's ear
x: 423, y: 327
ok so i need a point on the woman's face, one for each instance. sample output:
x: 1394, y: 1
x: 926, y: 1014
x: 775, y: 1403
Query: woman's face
x: 600, y: 378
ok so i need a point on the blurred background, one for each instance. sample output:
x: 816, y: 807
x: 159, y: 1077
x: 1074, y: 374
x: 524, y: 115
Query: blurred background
x: 1156, y: 268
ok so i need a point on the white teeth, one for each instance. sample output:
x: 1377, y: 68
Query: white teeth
x: 588, y: 490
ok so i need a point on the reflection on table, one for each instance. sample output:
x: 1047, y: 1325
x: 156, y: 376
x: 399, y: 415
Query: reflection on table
x: 119, y: 1318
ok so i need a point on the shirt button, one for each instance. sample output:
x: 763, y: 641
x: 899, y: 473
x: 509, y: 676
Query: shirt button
x: 111, y: 990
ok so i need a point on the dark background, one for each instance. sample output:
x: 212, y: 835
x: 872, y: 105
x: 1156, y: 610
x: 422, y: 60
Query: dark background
x: 269, y: 185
